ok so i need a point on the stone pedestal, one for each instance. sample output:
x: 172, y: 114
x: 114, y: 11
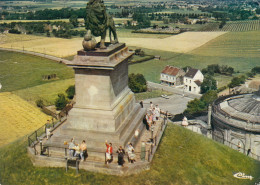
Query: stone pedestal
x: 105, y: 107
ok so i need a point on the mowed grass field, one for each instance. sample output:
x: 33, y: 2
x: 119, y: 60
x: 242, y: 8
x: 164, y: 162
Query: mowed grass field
x: 239, y: 50
x: 18, y: 118
x: 19, y: 71
x: 178, y: 160
x: 47, y: 92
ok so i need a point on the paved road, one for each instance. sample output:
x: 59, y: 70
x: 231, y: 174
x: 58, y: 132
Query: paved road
x: 173, y: 90
x: 38, y: 54
x: 176, y: 104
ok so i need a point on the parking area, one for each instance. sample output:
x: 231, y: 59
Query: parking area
x: 175, y: 104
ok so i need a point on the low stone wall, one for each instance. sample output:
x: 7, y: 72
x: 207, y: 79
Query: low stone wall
x: 99, y: 167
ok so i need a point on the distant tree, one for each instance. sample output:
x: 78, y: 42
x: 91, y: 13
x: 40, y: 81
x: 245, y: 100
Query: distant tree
x: 48, y: 33
x: 209, y: 83
x: 137, y: 83
x: 222, y: 24
x: 61, y: 101
x: 256, y: 70
x: 71, y: 91
x: 74, y: 20
x: 236, y: 81
x: 209, y: 97
x: 257, y: 10
x: 195, y: 106
x: 199, y: 105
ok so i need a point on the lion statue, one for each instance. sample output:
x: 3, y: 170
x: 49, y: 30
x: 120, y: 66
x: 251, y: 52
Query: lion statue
x: 98, y: 21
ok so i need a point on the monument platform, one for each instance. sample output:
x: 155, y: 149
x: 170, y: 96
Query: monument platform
x: 105, y: 107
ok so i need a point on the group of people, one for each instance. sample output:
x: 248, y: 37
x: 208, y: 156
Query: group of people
x: 152, y: 115
x: 78, y: 150
x: 121, y: 154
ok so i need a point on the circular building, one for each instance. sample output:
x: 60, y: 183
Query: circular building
x: 236, y: 122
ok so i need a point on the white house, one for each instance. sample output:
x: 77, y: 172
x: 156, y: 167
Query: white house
x: 172, y: 76
x: 193, y: 80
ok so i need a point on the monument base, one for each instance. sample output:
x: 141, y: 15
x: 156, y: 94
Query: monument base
x: 105, y: 107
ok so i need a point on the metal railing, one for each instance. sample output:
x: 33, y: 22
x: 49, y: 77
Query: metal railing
x: 34, y: 139
x: 39, y: 134
x: 235, y: 146
x: 156, y: 138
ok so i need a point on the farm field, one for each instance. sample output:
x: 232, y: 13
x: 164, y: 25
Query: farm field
x: 232, y: 44
x: 234, y: 26
x: 184, y: 42
x: 227, y: 49
x: 18, y: 118
x: 178, y: 160
x: 19, y: 71
x: 249, y: 25
x: 47, y: 92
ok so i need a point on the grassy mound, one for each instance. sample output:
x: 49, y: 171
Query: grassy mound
x: 183, y: 158
x: 19, y: 71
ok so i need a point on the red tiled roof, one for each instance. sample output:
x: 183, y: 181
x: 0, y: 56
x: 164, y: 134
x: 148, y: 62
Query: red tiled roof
x: 170, y: 70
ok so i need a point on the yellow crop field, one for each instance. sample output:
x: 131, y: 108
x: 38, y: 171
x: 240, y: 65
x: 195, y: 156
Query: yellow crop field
x: 18, y: 118
x: 59, y: 47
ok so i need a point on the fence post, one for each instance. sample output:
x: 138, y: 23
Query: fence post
x: 29, y: 141
x: 65, y: 152
x: 36, y: 135
x: 143, y: 152
x: 105, y: 158
x: 34, y: 150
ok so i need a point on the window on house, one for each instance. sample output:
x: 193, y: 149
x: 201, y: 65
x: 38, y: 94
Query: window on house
x: 194, y: 89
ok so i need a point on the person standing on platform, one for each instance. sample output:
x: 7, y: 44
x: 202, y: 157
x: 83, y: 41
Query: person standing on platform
x: 151, y: 106
x: 109, y: 152
x: 142, y: 104
x: 157, y: 112
x: 83, y: 150
x: 130, y: 153
x: 121, y: 154
x: 71, y: 147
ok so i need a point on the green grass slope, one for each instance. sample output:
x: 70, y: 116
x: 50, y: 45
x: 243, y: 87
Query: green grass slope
x: 47, y: 92
x: 19, y: 71
x: 237, y: 49
x: 183, y: 157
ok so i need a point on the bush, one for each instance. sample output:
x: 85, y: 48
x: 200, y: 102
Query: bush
x: 137, y: 83
x: 197, y: 106
x: 209, y: 83
x: 61, y: 101
x: 236, y: 81
x: 70, y: 91
x: 256, y: 70
x: 39, y: 103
